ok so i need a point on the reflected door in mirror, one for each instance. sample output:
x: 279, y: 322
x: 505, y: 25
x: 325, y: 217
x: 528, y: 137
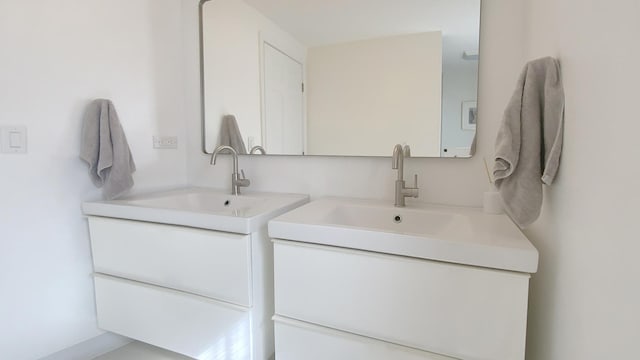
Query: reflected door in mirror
x: 283, y: 121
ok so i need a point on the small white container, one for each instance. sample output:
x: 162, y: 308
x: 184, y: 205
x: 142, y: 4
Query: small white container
x: 492, y: 203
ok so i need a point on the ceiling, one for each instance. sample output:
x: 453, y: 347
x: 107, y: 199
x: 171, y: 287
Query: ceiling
x: 323, y: 22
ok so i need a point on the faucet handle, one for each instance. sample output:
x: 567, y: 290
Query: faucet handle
x: 414, y: 192
x: 406, y: 150
x: 243, y: 182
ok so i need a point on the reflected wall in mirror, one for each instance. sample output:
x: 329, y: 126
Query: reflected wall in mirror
x: 347, y: 78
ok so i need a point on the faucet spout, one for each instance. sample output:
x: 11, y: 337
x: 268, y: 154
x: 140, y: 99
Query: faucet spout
x: 221, y: 148
x: 397, y: 162
x: 257, y: 149
x: 236, y: 181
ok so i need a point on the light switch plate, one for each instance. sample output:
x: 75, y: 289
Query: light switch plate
x: 13, y: 139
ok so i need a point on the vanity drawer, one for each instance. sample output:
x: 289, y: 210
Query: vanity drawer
x: 204, y: 262
x: 188, y: 324
x: 454, y: 310
x: 295, y: 338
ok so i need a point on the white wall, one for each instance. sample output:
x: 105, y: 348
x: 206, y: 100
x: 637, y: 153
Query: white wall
x: 233, y: 32
x: 56, y: 56
x: 585, y: 298
x: 451, y: 181
x: 363, y: 97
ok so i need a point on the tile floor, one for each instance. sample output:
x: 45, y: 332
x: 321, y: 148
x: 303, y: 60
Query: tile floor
x: 141, y: 351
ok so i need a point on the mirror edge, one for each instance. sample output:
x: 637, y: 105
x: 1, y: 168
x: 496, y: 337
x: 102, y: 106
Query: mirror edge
x: 201, y: 58
x: 202, y: 103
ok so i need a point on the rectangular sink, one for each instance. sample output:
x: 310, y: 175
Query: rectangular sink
x: 390, y: 219
x: 204, y: 202
x: 442, y: 233
x: 200, y: 207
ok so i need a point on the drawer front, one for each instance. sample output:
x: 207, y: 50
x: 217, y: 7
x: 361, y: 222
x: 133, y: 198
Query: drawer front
x: 208, y: 263
x: 294, y: 340
x: 184, y: 323
x: 454, y: 310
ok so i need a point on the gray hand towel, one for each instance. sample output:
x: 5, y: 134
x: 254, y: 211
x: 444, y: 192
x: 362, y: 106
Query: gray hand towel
x: 529, y: 142
x: 104, y: 147
x: 230, y: 134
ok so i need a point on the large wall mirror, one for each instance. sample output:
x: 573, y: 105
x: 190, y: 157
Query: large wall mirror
x: 340, y: 78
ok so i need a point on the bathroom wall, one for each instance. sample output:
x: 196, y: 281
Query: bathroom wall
x: 585, y: 298
x: 56, y: 56
x: 451, y: 181
x: 393, y: 88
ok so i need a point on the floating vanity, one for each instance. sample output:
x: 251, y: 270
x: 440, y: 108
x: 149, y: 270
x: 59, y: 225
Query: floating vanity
x: 188, y: 270
x: 358, y: 279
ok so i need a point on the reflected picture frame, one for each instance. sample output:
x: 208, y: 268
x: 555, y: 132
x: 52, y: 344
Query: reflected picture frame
x: 469, y: 115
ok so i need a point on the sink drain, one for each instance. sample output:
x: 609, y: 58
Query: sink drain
x: 226, y: 203
x: 397, y: 219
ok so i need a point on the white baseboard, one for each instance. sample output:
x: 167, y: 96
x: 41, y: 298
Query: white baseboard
x: 90, y: 349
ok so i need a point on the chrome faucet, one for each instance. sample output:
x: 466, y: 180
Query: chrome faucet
x: 236, y: 181
x: 397, y: 162
x: 256, y: 149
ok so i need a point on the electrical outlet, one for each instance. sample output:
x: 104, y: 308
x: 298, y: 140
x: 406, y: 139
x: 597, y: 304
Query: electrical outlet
x: 165, y: 142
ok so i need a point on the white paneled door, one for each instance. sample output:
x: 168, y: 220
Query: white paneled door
x: 283, y: 103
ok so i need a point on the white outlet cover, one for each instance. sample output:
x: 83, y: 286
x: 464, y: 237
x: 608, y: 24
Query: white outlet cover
x: 13, y: 139
x: 165, y: 142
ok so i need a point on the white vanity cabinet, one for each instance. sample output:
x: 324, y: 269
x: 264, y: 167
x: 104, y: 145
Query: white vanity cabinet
x: 203, y: 262
x: 455, y: 310
x: 200, y: 293
x: 346, y: 292
x: 196, y: 291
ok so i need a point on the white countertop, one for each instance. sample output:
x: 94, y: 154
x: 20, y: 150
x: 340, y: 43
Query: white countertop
x: 200, y: 207
x: 435, y: 232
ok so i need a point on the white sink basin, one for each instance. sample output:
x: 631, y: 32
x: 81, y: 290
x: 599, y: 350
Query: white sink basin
x: 204, y: 202
x: 390, y: 219
x: 200, y: 207
x: 451, y: 234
